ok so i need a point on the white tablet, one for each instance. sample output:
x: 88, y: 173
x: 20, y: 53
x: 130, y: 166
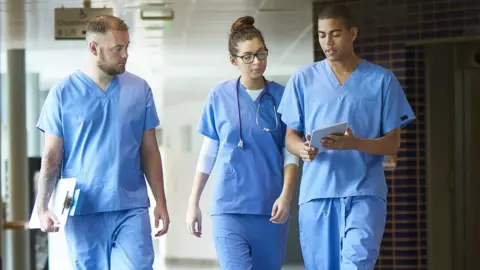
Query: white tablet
x: 319, y: 134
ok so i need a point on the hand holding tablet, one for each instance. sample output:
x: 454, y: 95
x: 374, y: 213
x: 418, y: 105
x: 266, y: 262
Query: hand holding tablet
x: 319, y: 134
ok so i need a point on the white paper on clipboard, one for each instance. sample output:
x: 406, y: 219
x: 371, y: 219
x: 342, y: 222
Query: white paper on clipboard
x: 63, y: 202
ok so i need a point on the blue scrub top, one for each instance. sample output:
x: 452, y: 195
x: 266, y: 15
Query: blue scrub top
x: 371, y: 101
x: 248, y: 180
x: 102, y: 134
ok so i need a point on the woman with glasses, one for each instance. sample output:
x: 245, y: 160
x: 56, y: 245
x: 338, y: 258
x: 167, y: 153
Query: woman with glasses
x: 253, y: 175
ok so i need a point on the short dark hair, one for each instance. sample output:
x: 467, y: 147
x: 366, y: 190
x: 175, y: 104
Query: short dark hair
x: 105, y: 23
x: 242, y: 29
x: 337, y: 11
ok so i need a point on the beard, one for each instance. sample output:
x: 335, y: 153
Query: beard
x: 110, y: 69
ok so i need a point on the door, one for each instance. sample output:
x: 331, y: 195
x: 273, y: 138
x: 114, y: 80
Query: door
x: 467, y: 113
x: 440, y: 123
x: 452, y: 109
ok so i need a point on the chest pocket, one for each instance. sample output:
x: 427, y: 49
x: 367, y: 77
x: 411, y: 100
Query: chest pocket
x: 132, y: 111
x: 131, y: 116
x: 364, y: 117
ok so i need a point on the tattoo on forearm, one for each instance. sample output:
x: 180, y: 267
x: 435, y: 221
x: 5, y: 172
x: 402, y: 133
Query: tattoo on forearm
x: 49, y: 174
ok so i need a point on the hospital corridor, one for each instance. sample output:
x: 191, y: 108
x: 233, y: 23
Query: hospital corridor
x: 239, y: 134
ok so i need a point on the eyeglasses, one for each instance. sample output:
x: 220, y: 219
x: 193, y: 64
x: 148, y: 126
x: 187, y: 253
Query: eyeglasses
x: 248, y: 58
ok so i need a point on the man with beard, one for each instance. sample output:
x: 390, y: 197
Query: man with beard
x: 99, y: 127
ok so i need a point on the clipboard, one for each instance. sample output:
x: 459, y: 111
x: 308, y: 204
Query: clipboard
x: 65, y: 201
x: 319, y: 134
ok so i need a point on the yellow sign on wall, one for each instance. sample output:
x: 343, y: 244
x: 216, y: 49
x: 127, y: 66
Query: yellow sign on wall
x: 70, y: 23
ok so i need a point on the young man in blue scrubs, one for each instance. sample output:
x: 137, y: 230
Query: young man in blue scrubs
x: 343, y: 191
x: 99, y: 126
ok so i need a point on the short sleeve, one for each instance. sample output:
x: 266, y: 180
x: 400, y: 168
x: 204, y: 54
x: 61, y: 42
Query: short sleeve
x: 151, y: 116
x: 396, y: 111
x: 291, y: 106
x: 206, y: 126
x: 50, y: 120
x: 284, y: 134
x: 283, y: 126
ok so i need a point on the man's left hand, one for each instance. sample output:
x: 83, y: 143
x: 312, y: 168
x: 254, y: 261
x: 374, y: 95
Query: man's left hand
x: 161, y: 213
x: 340, y: 142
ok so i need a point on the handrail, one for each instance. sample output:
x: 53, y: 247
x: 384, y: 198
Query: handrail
x: 15, y: 225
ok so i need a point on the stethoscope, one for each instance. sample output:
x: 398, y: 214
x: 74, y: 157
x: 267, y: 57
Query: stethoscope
x: 266, y: 92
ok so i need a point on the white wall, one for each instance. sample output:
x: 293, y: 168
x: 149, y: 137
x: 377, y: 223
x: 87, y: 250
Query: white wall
x: 179, y: 170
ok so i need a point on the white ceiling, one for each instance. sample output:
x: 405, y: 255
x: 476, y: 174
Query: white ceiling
x: 195, y: 20
x: 202, y: 26
x: 196, y: 37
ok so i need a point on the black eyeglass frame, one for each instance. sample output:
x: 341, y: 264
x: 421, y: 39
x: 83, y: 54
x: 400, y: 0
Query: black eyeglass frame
x: 254, y: 55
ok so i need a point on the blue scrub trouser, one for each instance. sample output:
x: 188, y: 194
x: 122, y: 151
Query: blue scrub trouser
x: 249, y: 242
x: 119, y: 240
x: 342, y: 233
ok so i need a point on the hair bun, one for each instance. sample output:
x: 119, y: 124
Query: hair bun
x: 243, y: 23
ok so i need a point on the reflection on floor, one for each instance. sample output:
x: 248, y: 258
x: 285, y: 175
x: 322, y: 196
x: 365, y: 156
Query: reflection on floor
x: 59, y: 259
x: 176, y: 267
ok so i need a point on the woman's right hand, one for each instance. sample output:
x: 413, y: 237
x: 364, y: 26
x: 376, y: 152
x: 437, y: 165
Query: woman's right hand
x: 194, y: 220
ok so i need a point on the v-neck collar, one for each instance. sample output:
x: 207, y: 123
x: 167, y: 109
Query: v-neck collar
x: 333, y: 78
x: 95, y: 89
x: 244, y: 95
